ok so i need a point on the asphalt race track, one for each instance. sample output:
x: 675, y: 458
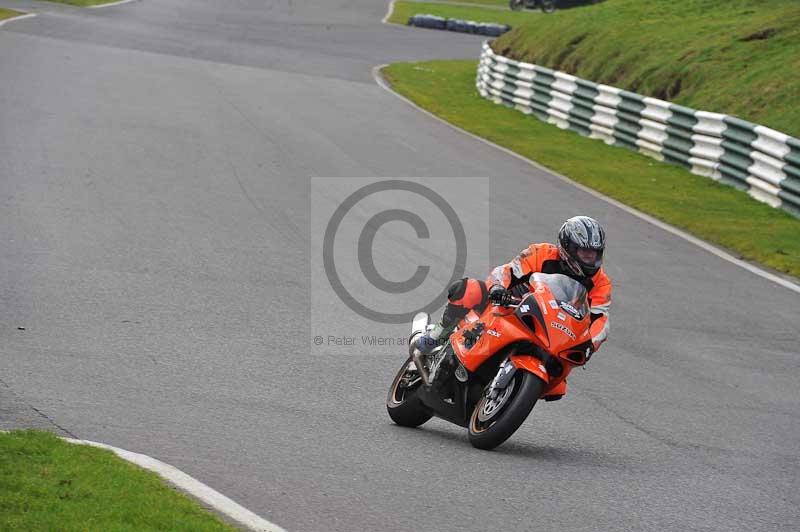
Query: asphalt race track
x: 155, y: 244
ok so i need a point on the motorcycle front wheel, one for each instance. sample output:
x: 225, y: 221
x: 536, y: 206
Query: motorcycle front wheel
x: 402, y: 403
x: 494, y: 420
x: 548, y: 6
x: 516, y: 5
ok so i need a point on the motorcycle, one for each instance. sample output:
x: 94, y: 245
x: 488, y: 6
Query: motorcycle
x: 503, y: 361
x: 547, y: 6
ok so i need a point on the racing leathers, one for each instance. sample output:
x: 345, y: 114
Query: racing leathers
x: 472, y: 294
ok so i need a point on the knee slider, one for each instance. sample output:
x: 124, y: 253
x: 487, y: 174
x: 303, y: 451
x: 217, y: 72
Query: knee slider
x: 457, y: 290
x: 467, y: 293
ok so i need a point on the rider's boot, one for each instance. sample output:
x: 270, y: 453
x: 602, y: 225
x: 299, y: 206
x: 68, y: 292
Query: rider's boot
x: 438, y: 336
x: 440, y: 332
x: 462, y: 295
x: 429, y: 341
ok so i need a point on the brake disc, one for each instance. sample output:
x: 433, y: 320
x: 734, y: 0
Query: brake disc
x: 491, y: 406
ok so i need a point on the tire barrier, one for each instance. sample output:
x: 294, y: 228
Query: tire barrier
x: 750, y: 157
x: 461, y: 26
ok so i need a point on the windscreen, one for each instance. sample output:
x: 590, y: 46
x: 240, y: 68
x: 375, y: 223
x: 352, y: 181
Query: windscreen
x: 570, y: 294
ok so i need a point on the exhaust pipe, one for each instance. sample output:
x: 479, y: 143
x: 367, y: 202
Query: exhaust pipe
x: 418, y: 327
x: 416, y: 356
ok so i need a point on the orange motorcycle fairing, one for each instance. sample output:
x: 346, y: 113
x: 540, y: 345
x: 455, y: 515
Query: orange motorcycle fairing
x: 516, y: 352
x: 557, y: 388
x: 531, y: 364
x: 494, y: 332
x: 541, y: 318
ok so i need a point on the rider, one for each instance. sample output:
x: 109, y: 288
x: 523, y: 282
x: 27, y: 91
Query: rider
x: 579, y: 255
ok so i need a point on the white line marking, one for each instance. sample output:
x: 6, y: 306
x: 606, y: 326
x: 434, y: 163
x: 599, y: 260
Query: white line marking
x: 26, y: 15
x: 192, y: 486
x: 111, y: 4
x: 376, y: 74
x: 388, y: 13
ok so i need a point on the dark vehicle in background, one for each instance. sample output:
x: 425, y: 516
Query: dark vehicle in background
x: 547, y: 6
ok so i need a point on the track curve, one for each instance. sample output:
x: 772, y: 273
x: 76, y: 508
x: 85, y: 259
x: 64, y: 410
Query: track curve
x: 154, y: 247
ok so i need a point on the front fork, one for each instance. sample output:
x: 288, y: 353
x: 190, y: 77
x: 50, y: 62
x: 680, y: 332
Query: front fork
x: 510, y: 366
x: 504, y: 375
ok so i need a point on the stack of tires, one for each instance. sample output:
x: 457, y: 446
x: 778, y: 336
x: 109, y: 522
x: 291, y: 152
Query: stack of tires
x: 458, y: 25
x: 428, y: 21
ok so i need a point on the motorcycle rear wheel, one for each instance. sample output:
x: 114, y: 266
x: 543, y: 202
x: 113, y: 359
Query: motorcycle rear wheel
x: 548, y: 6
x: 516, y: 5
x: 402, y: 403
x: 525, y: 389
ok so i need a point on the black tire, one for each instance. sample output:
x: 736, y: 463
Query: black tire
x: 403, y: 405
x: 489, y: 434
x: 548, y: 6
x: 516, y: 5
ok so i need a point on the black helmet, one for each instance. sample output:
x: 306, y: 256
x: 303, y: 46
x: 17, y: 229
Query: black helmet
x: 581, y: 232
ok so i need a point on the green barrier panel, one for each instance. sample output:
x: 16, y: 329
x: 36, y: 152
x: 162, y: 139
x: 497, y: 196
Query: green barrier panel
x: 737, y: 136
x: 791, y: 184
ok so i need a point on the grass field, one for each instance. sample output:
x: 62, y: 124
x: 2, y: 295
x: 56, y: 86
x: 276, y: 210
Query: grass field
x: 712, y: 211
x: 48, y: 484
x: 8, y: 13
x: 490, y: 3
x: 494, y: 3
x: 404, y: 10
x: 739, y: 57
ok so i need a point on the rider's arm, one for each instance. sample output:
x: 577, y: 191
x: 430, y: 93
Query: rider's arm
x: 510, y: 274
x: 600, y: 302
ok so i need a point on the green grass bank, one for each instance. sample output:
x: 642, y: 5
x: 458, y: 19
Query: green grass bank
x: 739, y: 57
x: 49, y: 484
x: 709, y: 210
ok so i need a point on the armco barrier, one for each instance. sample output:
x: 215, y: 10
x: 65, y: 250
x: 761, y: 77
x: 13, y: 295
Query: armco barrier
x: 762, y: 161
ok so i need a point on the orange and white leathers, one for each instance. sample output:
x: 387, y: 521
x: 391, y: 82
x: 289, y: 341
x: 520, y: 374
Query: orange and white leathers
x: 564, y: 336
x: 471, y: 294
x: 544, y: 258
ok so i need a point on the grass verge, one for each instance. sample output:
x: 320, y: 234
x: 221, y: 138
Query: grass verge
x: 9, y: 13
x: 494, y: 3
x: 714, y: 212
x: 83, y: 3
x: 500, y: 3
x: 403, y: 10
x: 49, y: 484
x: 738, y: 57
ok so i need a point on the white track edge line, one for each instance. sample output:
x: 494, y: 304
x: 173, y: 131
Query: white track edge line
x: 376, y: 74
x: 189, y: 484
x: 99, y: 6
x: 389, y: 13
x: 20, y: 17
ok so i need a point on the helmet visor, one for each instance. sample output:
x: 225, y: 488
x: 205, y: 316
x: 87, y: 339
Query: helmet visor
x: 587, y: 256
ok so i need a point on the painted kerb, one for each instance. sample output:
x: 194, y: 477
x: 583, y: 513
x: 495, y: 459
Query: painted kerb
x: 754, y: 158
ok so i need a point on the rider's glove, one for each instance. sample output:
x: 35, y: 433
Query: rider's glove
x: 499, y: 295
